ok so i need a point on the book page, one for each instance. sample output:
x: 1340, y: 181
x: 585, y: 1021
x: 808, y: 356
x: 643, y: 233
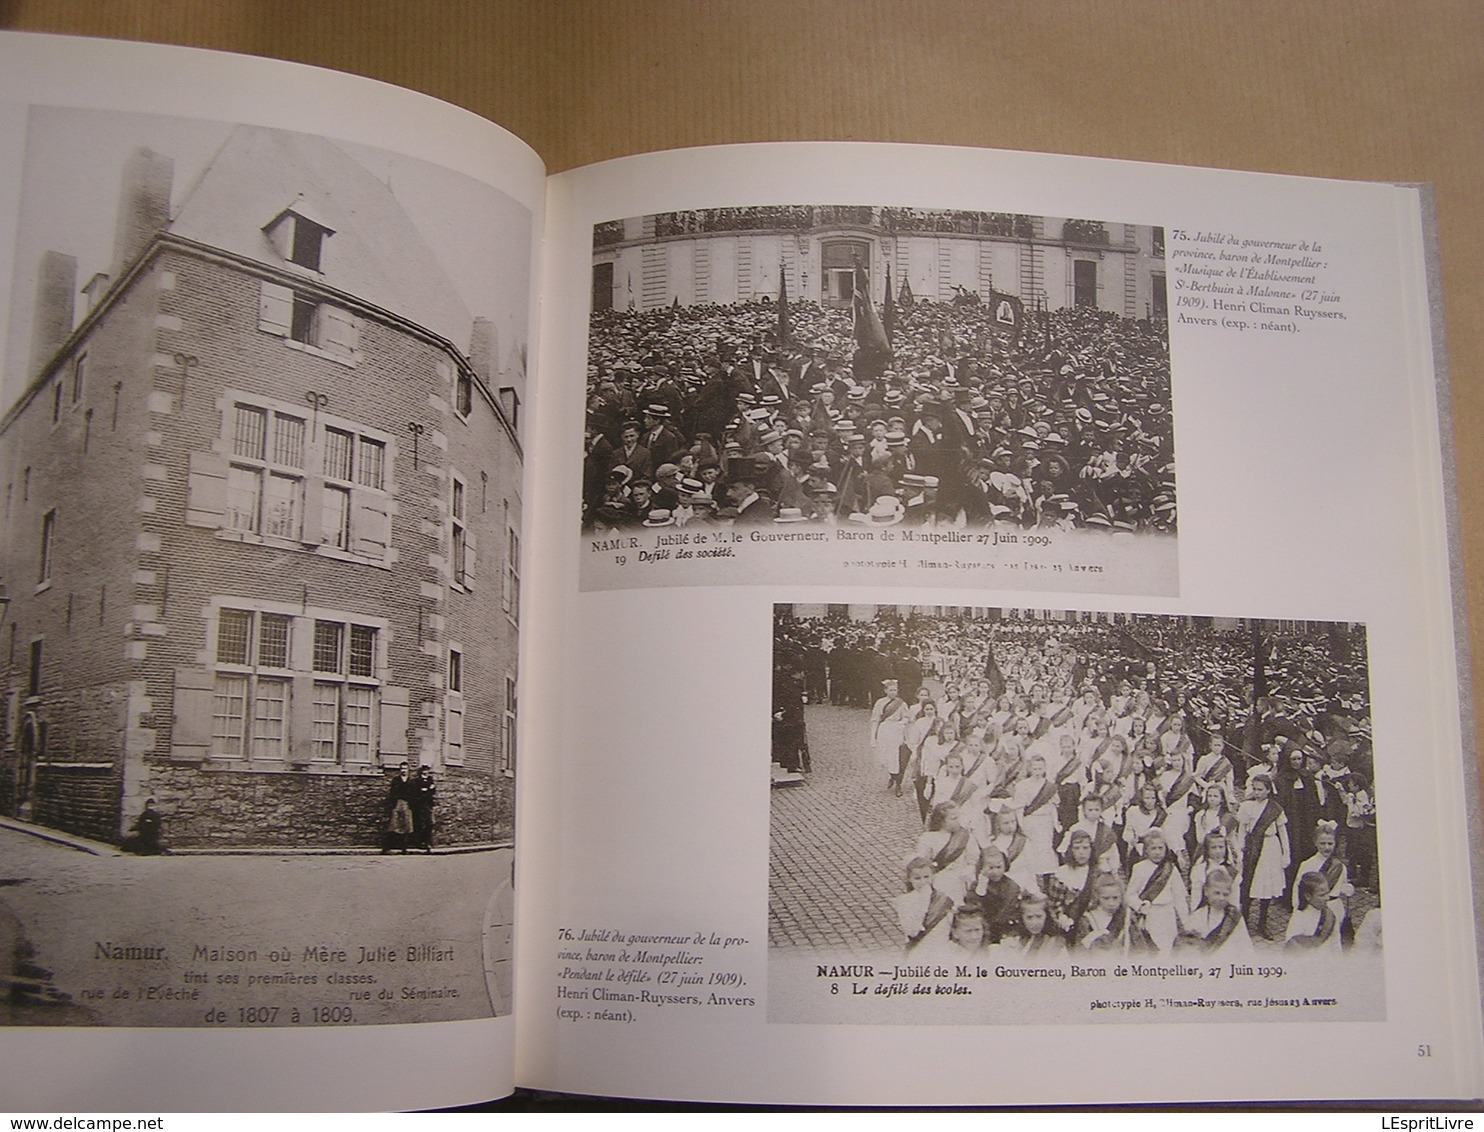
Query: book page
x: 999, y: 620
x: 266, y: 340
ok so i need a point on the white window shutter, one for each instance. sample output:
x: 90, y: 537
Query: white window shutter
x: 206, y: 498
x: 276, y: 309
x: 314, y: 494
x: 395, y: 716
x: 453, y: 731
x: 190, y: 735
x: 471, y: 546
x: 370, y: 525
x: 337, y: 332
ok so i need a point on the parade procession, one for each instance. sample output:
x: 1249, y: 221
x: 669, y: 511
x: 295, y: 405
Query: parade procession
x: 1050, y: 785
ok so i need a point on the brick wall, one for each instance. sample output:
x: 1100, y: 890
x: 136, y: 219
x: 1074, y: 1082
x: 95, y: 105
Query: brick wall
x: 81, y: 800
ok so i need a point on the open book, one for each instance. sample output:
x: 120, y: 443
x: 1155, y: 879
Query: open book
x: 774, y: 623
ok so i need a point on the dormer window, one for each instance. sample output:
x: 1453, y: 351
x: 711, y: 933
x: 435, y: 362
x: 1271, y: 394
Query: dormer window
x: 298, y: 239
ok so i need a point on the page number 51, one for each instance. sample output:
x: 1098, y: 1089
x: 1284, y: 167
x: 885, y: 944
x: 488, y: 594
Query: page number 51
x: 1424, y: 1050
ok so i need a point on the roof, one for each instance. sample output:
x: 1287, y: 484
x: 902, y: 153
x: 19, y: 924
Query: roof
x: 376, y: 252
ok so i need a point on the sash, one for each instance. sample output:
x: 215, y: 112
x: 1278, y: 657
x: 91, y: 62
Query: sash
x: 1017, y: 846
x: 938, y: 907
x: 1139, y: 939
x: 1253, y: 845
x: 958, y: 840
x: 1034, y: 943
x: 1321, y: 933
x: 1179, y: 788
x: 1158, y: 879
x: 971, y: 771
x: 1045, y: 794
x: 1084, y: 897
x: 890, y: 710
x: 1326, y: 925
x: 963, y: 791
x: 1156, y: 821
x: 1218, y: 768
x: 1102, y: 841
x: 1112, y: 935
x: 1007, y: 784
x: 1068, y: 768
x: 1333, y: 871
x: 1126, y: 766
x: 1222, y: 931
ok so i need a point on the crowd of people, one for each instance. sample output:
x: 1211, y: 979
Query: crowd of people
x: 980, y: 413
x: 1161, y: 785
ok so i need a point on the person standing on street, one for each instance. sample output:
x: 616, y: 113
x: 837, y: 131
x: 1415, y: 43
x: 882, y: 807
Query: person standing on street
x: 424, y: 795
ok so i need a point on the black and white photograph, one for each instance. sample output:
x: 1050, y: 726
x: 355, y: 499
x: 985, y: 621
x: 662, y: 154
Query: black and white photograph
x: 777, y: 388
x: 968, y: 802
x: 259, y: 580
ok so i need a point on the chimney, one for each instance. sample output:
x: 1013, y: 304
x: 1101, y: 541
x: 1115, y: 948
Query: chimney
x: 95, y: 288
x: 51, y: 320
x: 144, y: 205
x: 483, y: 346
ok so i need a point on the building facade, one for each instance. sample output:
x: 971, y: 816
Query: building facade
x: 261, y: 514
x: 736, y: 255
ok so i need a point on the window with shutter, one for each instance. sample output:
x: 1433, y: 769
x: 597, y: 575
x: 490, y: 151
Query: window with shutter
x: 317, y: 484
x: 306, y: 323
x: 458, y: 532
x: 246, y: 709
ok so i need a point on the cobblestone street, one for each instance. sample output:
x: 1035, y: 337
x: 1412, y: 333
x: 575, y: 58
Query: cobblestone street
x: 838, y: 842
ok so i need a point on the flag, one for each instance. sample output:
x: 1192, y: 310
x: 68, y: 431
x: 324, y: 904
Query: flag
x: 906, y: 300
x: 869, y: 333
x: 785, y: 331
x: 992, y: 674
x: 1007, y: 310
x: 889, y: 311
x: 872, y: 351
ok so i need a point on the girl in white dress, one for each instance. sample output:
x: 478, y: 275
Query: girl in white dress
x: 1139, y: 820
x: 1264, y: 827
x: 1212, y: 814
x: 1106, y: 926
x: 1035, y: 797
x: 1156, y: 894
x: 923, y: 913
x: 949, y: 784
x: 1215, y: 925
x: 952, y: 849
x: 1010, y: 840
x: 942, y: 737
x: 1327, y: 862
x: 1218, y: 850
